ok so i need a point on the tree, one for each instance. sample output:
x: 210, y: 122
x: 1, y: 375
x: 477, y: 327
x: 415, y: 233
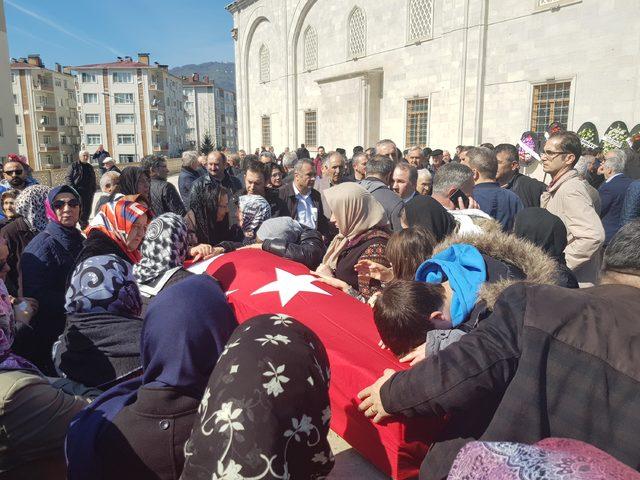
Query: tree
x: 207, y: 145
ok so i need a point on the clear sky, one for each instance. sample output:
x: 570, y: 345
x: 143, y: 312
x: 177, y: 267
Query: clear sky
x: 78, y: 32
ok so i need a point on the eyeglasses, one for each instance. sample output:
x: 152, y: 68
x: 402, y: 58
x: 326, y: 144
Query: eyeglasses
x: 550, y: 154
x: 13, y: 172
x: 59, y: 204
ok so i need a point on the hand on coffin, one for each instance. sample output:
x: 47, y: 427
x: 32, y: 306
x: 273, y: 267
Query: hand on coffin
x: 324, y: 271
x: 204, y: 252
x: 415, y: 355
x: 371, y: 404
x: 253, y: 245
x: 332, y: 281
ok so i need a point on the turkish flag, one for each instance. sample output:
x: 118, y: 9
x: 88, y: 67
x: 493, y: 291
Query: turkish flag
x: 258, y: 282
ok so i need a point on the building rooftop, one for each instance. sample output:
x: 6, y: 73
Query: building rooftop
x: 125, y: 62
x: 194, y: 80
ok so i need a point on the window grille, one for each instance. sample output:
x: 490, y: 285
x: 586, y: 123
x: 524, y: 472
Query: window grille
x: 550, y: 104
x: 310, y: 49
x: 310, y: 128
x: 417, y: 122
x: 266, y: 131
x: 357, y: 33
x: 420, y: 20
x: 264, y: 64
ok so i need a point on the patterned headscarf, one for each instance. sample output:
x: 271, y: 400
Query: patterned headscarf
x: 266, y: 407
x: 255, y: 210
x: 115, y: 220
x: 164, y: 247
x: 103, y: 284
x: 8, y: 360
x: 30, y: 205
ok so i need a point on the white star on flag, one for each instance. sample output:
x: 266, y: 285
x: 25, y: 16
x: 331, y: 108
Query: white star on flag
x: 288, y: 286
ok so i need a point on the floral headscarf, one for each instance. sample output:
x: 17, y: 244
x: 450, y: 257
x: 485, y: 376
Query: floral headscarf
x: 30, y: 205
x: 8, y: 360
x: 115, y: 220
x: 103, y: 284
x: 164, y: 247
x: 265, y: 412
x: 255, y: 210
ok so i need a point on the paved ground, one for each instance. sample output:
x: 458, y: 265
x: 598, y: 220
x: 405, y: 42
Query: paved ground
x: 349, y: 463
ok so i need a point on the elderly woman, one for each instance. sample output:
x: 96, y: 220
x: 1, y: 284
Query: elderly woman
x: 101, y: 341
x: 265, y: 411
x: 108, y: 185
x: 31, y: 219
x: 362, y: 235
x: 118, y: 229
x: 164, y: 249
x: 8, y: 201
x: 46, y: 264
x: 425, y: 181
x: 138, y: 429
x: 82, y: 177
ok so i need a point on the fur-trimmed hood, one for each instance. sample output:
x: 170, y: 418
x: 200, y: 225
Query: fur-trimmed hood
x: 536, y: 265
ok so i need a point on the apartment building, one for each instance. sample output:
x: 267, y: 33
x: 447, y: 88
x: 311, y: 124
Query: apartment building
x: 8, y: 139
x: 132, y: 107
x: 46, y: 120
x: 209, y: 110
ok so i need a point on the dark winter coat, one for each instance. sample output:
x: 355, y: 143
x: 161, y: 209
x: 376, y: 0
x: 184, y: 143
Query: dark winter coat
x: 185, y: 180
x: 612, y: 195
x: 82, y: 177
x: 18, y: 235
x: 162, y: 417
x: 46, y: 264
x: 308, y: 249
x: 528, y: 189
x: 542, y: 365
x: 631, y: 204
x: 391, y: 202
x: 165, y: 198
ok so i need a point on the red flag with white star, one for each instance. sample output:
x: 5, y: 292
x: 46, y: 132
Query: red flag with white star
x: 258, y: 282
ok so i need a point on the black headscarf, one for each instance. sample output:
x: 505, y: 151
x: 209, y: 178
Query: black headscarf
x: 203, y: 202
x: 265, y: 412
x: 129, y: 178
x: 543, y: 229
x: 425, y: 212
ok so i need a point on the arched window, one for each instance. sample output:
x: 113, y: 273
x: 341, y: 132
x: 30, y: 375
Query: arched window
x: 264, y: 64
x: 420, y: 20
x: 357, y: 33
x: 310, y: 49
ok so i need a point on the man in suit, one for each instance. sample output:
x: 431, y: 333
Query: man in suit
x: 333, y: 170
x: 528, y: 189
x: 301, y: 201
x: 612, y: 191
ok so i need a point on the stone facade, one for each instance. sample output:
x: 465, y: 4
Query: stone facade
x: 476, y: 63
x: 8, y: 138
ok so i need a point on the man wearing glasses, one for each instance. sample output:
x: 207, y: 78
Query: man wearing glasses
x: 15, y: 175
x: 568, y: 198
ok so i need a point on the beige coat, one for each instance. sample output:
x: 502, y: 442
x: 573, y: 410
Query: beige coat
x: 570, y: 200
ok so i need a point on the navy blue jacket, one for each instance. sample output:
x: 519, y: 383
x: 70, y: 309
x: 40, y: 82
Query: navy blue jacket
x: 612, y: 195
x: 185, y: 180
x: 631, y: 204
x: 499, y: 203
x: 46, y: 264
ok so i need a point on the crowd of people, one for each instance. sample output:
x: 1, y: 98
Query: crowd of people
x: 511, y: 301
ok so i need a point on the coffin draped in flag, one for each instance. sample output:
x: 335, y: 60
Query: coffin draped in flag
x: 258, y: 282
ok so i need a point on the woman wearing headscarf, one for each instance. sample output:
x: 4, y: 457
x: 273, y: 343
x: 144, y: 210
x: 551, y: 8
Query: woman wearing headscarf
x: 46, y: 264
x: 34, y: 414
x: 362, y: 235
x: 8, y: 202
x: 208, y: 217
x: 164, y: 250
x: 423, y: 211
x: 548, y: 232
x: 253, y: 210
x: 133, y: 182
x: 285, y: 237
x: 265, y: 412
x: 118, y: 229
x: 31, y: 220
x: 138, y: 429
x: 101, y: 341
